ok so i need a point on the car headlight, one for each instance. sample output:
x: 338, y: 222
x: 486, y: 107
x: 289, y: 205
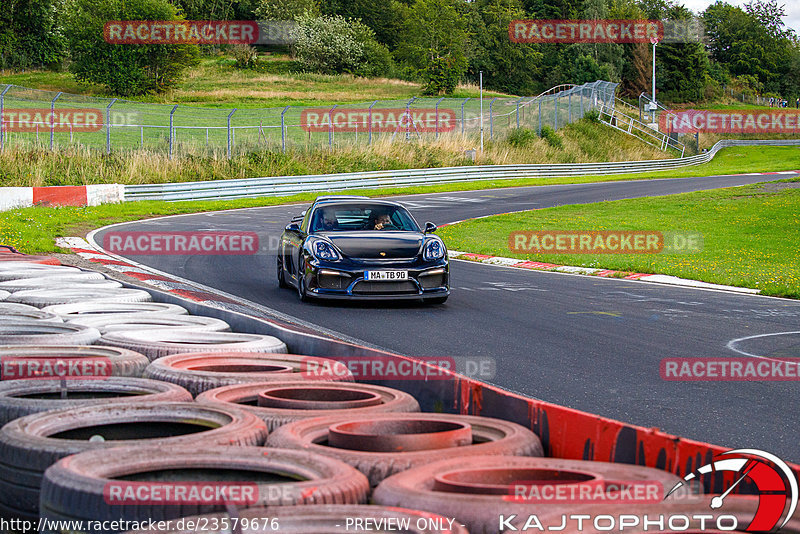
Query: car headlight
x: 433, y: 250
x: 322, y: 250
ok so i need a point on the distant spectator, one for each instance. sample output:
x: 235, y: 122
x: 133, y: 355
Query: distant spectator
x: 797, y: 103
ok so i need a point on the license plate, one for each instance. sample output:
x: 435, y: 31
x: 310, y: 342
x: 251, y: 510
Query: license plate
x: 385, y: 275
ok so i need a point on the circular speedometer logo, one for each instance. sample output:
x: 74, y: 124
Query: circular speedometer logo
x: 774, y: 479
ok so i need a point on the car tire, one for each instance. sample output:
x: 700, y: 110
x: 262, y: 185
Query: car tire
x: 490, y: 437
x: 281, y: 278
x: 31, y: 444
x: 80, y: 485
x: 301, y: 288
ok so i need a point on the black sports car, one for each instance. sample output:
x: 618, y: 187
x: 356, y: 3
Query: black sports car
x: 361, y: 248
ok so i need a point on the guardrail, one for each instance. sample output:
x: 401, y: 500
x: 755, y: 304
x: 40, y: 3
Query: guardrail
x: 287, y: 185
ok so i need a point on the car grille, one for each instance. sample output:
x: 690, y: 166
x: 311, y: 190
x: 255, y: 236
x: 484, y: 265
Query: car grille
x: 431, y: 281
x: 385, y: 288
x: 333, y: 281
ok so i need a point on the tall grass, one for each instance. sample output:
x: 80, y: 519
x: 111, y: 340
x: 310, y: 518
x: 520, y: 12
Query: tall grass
x: 582, y: 142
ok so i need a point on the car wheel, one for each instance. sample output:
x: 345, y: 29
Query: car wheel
x: 435, y: 300
x: 281, y: 280
x: 301, y: 287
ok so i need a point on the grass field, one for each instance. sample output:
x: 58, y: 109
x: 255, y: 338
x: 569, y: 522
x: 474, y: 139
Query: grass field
x: 750, y: 235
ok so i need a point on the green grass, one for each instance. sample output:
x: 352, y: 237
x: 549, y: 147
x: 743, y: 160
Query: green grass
x: 750, y: 235
x: 215, y: 83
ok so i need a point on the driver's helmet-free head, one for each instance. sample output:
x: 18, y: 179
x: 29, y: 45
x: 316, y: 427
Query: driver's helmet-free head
x: 329, y: 219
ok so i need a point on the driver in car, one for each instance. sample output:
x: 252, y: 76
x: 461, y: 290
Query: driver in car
x: 382, y: 221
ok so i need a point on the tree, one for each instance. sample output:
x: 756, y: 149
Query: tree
x: 434, y: 38
x: 285, y: 9
x: 31, y: 33
x: 334, y: 44
x: 382, y: 17
x: 124, y: 69
x: 507, y: 66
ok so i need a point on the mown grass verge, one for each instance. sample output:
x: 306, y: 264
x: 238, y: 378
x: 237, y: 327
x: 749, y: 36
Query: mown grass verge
x: 750, y: 236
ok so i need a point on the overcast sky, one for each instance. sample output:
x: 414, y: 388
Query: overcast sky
x: 791, y: 7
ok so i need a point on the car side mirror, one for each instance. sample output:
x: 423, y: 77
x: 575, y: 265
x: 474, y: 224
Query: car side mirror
x: 293, y: 227
x: 430, y: 227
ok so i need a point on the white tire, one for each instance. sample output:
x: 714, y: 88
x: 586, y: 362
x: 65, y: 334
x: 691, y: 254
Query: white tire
x: 95, y: 309
x: 45, y: 333
x: 148, y: 321
x: 48, y: 297
x: 157, y: 343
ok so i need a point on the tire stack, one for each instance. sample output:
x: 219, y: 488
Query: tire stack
x: 172, y: 401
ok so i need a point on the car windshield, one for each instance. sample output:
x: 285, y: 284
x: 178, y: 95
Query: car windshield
x: 357, y: 217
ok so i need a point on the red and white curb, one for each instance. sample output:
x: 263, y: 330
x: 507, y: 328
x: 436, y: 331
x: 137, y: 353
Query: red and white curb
x: 85, y: 250
x: 591, y: 271
x: 68, y: 195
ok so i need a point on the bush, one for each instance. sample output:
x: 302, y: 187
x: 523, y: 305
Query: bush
x: 245, y: 56
x: 521, y: 137
x: 552, y: 138
x: 124, y: 69
x: 442, y: 74
x: 592, y: 116
x: 31, y: 34
x: 335, y: 45
x: 285, y: 9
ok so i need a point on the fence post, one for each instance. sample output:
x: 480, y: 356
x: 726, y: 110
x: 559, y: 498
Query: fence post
x: 491, y: 119
x: 437, y: 117
x: 2, y: 117
x: 518, y: 101
x: 408, y: 117
x: 555, y: 115
x: 283, y: 129
x: 582, y: 112
x: 569, y: 101
x: 108, y: 126
x: 369, y: 141
x: 330, y: 126
x: 462, y: 114
x: 229, y: 131
x: 539, y: 131
x: 53, y: 117
x: 171, y: 113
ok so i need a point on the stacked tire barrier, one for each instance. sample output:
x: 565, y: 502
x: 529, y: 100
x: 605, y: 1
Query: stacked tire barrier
x: 122, y: 410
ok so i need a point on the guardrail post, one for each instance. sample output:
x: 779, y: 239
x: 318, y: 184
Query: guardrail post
x: 53, y: 117
x: 108, y: 126
x: 171, y: 113
x: 369, y: 138
x: 491, y: 119
x: 462, y: 114
x: 2, y: 117
x: 229, y: 131
x: 437, y: 117
x: 283, y: 129
x: 330, y: 126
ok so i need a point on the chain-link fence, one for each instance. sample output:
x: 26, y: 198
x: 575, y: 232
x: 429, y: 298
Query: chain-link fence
x: 35, y: 118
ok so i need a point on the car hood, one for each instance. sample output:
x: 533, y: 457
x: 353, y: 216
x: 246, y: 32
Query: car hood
x: 371, y: 244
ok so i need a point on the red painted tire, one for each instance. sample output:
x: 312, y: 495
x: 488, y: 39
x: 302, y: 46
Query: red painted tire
x: 202, y: 371
x: 29, y: 445
x: 29, y: 361
x: 159, y: 343
x: 315, y: 519
x: 476, y: 491
x: 19, y: 398
x: 287, y: 402
x: 88, y: 485
x: 21, y: 259
x: 384, y: 444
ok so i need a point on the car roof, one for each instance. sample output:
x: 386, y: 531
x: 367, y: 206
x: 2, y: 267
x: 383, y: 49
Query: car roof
x: 343, y: 199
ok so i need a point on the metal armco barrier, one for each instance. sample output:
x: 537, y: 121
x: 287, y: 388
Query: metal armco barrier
x: 288, y: 185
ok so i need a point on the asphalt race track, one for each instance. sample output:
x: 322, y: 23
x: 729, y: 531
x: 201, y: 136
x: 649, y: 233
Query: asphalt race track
x: 589, y: 343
